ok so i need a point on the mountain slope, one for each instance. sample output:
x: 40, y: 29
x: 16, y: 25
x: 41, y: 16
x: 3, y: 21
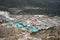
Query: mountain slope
x: 34, y: 3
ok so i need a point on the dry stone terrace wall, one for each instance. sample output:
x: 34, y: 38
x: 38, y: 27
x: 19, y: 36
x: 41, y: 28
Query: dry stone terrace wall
x: 13, y: 34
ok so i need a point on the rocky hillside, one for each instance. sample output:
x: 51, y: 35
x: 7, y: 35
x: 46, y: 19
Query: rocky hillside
x: 34, y: 3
